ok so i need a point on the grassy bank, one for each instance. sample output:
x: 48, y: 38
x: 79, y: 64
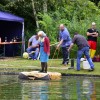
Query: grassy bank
x: 18, y: 65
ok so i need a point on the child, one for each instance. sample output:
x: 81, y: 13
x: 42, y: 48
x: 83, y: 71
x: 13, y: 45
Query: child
x: 44, y: 50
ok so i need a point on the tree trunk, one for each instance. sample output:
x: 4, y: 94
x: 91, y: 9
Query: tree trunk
x: 19, y: 0
x: 45, y: 6
x: 34, y: 12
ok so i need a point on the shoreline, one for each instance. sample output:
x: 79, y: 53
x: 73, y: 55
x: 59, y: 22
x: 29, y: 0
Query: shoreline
x: 16, y: 71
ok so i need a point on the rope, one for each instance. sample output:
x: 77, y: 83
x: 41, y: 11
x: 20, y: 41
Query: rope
x: 53, y: 56
x: 54, y: 44
x: 58, y: 53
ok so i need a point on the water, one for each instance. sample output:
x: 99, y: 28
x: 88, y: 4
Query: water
x: 68, y: 88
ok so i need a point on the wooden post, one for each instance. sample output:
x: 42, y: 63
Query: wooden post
x: 72, y: 64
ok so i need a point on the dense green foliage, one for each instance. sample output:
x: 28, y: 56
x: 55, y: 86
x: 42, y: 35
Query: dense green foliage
x: 77, y: 15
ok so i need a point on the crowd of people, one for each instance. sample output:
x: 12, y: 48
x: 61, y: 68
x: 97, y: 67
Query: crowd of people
x: 39, y: 45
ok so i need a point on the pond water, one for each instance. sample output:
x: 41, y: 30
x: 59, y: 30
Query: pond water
x: 68, y: 88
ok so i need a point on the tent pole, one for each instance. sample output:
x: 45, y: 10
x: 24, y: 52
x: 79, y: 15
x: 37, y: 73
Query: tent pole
x: 23, y: 40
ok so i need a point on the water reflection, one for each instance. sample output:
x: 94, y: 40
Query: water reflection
x: 89, y: 89
x: 68, y: 88
x: 35, y: 91
x: 9, y: 88
x: 86, y: 90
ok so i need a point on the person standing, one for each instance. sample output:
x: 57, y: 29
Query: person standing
x: 44, y: 50
x: 33, y: 47
x: 65, y: 41
x: 92, y: 35
x: 83, y: 48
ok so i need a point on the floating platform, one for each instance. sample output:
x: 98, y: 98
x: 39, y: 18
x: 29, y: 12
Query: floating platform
x: 36, y: 75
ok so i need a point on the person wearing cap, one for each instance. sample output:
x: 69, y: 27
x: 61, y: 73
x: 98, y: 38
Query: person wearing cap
x: 44, y: 50
x: 64, y: 42
x: 92, y: 35
x: 33, y: 47
x: 83, y: 48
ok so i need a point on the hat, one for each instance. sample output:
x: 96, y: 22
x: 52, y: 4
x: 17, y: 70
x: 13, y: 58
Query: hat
x: 93, y: 23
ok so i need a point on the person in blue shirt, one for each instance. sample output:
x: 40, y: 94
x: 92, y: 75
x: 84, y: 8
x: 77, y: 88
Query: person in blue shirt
x: 64, y: 42
x: 33, y: 46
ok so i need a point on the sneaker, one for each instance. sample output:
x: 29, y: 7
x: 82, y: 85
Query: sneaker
x: 91, y: 69
x: 65, y: 64
x: 29, y: 58
x: 34, y: 59
x: 77, y: 70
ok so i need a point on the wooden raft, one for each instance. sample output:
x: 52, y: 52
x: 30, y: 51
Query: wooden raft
x: 36, y: 75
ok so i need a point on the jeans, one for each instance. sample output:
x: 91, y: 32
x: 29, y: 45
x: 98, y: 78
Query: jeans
x: 84, y: 51
x: 65, y: 55
x: 33, y: 55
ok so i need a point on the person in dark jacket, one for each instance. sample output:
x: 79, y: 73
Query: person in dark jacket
x: 83, y: 48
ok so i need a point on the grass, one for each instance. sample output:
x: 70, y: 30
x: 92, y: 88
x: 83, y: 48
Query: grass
x: 19, y: 64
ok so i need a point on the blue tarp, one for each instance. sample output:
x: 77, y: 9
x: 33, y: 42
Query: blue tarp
x: 11, y: 26
x: 10, y: 17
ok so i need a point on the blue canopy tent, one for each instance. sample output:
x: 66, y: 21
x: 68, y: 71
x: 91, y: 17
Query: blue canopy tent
x: 11, y: 26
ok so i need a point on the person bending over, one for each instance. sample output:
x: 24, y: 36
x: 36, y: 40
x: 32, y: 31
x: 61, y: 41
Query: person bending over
x: 83, y: 48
